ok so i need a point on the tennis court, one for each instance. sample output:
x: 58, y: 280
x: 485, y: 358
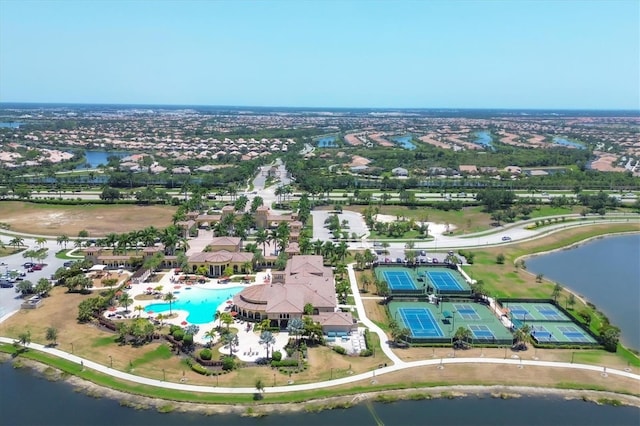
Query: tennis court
x: 421, y: 322
x: 550, y: 313
x: 431, y: 323
x: 481, y: 332
x: 559, y: 332
x: 467, y: 312
x: 399, y: 280
x: 444, y: 280
x: 527, y: 312
x: 519, y: 312
x: 572, y: 333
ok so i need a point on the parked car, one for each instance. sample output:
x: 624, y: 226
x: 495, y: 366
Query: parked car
x: 423, y: 253
x: 506, y: 238
x: 435, y: 260
x: 6, y: 284
x: 37, y: 267
x: 27, y: 264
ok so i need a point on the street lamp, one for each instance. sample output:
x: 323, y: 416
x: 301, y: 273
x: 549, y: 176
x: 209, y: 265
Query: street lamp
x: 71, y: 347
x: 274, y: 379
x: 111, y: 361
x: 331, y: 374
x: 164, y: 376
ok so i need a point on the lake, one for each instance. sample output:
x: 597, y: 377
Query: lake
x: 607, y: 273
x: 327, y: 142
x: 28, y: 399
x: 96, y: 158
x: 567, y: 142
x: 483, y: 138
x: 10, y: 125
x: 404, y: 141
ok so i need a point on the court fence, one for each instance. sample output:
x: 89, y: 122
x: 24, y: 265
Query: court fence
x: 517, y: 323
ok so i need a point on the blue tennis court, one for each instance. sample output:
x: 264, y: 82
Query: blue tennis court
x: 573, y: 334
x: 467, y: 312
x: 550, y: 313
x: 541, y: 334
x: 481, y: 332
x: 399, y: 280
x: 519, y: 312
x: 421, y: 322
x: 444, y: 280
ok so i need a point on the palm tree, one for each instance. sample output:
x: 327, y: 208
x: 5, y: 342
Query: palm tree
x: 341, y: 250
x: 139, y: 308
x: 210, y: 336
x: 160, y: 318
x: 111, y: 240
x: 169, y: 297
x: 16, y: 242
x: 267, y: 339
x: 41, y: 241
x: 317, y: 247
x: 461, y: 336
x: 295, y: 327
x: 227, y: 319
x: 62, y: 240
x: 261, y: 238
x: 523, y: 336
x: 125, y: 300
x: 217, y: 317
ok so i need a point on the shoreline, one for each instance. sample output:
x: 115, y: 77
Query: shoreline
x: 572, y: 246
x: 345, y: 401
x: 260, y: 409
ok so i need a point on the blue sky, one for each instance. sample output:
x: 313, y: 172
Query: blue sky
x: 388, y: 54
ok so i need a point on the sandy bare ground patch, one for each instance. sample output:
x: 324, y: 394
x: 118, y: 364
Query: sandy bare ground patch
x: 604, y: 162
x: 380, y: 140
x: 429, y: 138
x: 98, y: 220
x: 434, y: 228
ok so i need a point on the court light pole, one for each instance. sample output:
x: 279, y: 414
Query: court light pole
x: 110, y: 361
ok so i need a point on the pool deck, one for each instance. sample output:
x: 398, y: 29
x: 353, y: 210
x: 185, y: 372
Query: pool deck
x: 248, y: 348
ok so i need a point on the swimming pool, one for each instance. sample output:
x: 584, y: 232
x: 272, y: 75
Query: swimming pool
x: 200, y: 303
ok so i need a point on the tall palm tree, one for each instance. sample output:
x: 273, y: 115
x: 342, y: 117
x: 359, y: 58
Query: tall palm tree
x: 295, y: 328
x: 125, y: 300
x: 267, y: 339
x: 62, y: 240
x: 227, y: 319
x: 262, y: 237
x: 317, y: 247
x: 41, y: 241
x: 169, y: 297
x: 111, y: 240
x: 210, y: 336
x: 461, y: 336
x: 523, y: 335
x: 16, y: 242
x: 139, y: 308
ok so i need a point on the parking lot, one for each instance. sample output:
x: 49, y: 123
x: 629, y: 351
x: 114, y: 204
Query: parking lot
x: 9, y: 299
x: 355, y: 224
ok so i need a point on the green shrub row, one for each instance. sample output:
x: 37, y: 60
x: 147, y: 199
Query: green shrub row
x: 285, y: 363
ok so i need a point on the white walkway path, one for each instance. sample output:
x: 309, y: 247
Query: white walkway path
x: 318, y: 385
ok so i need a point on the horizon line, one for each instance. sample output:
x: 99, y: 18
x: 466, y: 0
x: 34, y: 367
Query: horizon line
x: 324, y: 107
